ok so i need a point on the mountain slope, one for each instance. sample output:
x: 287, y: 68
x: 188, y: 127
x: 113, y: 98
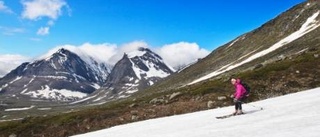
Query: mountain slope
x: 63, y: 76
x: 135, y: 71
x: 310, y: 25
x: 292, y: 115
x: 292, y: 32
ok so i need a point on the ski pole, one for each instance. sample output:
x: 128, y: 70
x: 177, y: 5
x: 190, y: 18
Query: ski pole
x: 261, y: 108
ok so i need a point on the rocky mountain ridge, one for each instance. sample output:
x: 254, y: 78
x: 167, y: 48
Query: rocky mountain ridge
x: 64, y: 76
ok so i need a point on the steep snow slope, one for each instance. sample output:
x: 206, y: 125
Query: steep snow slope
x: 293, y: 115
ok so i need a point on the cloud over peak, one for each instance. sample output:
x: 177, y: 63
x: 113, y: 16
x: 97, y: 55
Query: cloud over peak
x: 181, y: 53
x: 175, y: 55
x: 10, y: 61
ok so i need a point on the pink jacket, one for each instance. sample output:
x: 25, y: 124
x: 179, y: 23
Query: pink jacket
x: 240, y: 90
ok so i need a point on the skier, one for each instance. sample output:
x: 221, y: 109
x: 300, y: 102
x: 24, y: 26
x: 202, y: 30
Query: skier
x: 238, y: 96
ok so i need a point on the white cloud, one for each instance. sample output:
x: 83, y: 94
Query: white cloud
x: 182, y: 53
x: 50, y: 23
x: 100, y: 52
x: 9, y: 62
x: 4, y: 8
x: 126, y: 48
x: 175, y: 55
x: 9, y: 31
x: 103, y: 53
x: 35, y: 39
x: 36, y: 9
x: 43, y: 31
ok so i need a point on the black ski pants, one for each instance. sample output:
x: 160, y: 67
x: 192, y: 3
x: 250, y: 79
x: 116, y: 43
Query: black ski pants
x: 238, y: 105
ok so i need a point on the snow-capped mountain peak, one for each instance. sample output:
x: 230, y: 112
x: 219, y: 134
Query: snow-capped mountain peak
x: 136, y: 70
x: 61, y: 76
x: 142, y: 51
x: 149, y: 64
x: 139, y: 68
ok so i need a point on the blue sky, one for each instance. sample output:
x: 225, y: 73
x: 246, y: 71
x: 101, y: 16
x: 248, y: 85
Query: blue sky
x: 30, y: 28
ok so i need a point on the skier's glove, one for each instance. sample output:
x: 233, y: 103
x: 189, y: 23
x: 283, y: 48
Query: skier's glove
x: 235, y: 100
x: 231, y: 96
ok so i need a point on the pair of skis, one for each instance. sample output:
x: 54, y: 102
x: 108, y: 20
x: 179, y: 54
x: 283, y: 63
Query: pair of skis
x: 230, y: 115
x: 227, y: 116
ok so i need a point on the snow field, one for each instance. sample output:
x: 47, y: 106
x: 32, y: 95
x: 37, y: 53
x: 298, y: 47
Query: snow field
x: 293, y: 115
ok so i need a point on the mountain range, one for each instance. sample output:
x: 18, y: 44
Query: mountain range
x: 65, y: 76
x: 135, y: 71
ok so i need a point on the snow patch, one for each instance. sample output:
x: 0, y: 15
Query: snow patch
x: 18, y: 78
x: 85, y: 99
x: 123, y: 96
x: 56, y: 94
x: 98, y: 99
x: 151, y: 83
x: 24, y: 91
x: 233, y: 42
x: 54, y: 77
x: 152, y: 72
x: 44, y: 108
x: 19, y: 109
x: 131, y: 91
x: 30, y: 81
x: 16, y: 119
x: 136, y: 53
x: 301, y: 51
x: 3, y: 86
x: 95, y: 85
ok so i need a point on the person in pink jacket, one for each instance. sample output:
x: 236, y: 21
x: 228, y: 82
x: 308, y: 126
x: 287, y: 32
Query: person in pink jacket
x: 239, y: 94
